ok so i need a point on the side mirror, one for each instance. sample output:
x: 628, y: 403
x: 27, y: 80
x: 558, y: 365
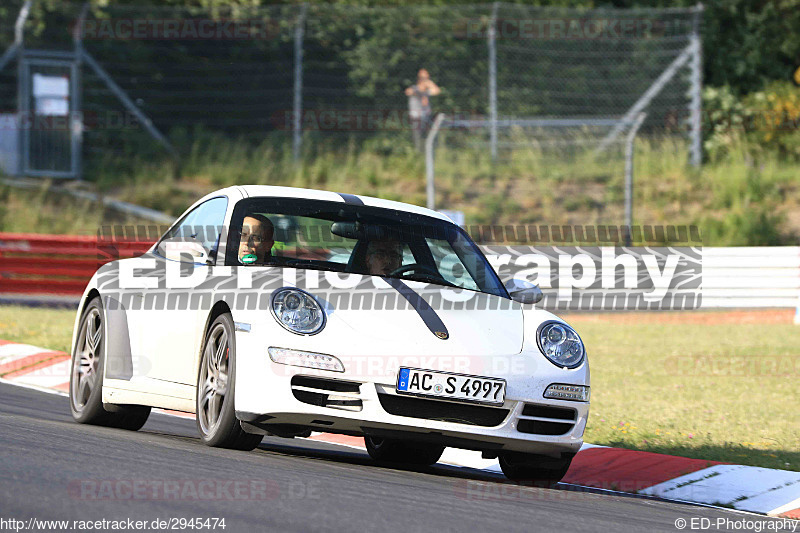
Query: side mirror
x: 182, y: 250
x: 523, y: 291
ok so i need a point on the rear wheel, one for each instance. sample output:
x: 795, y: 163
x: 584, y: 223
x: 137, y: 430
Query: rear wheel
x: 216, y: 416
x: 86, y: 378
x: 539, y: 469
x: 402, y: 451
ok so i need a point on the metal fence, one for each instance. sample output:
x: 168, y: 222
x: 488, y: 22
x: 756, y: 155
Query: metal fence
x: 305, y: 74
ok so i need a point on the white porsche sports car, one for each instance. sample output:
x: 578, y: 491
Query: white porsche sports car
x: 280, y: 311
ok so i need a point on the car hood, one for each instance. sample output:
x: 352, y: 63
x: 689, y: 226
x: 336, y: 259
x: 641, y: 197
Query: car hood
x: 405, y: 319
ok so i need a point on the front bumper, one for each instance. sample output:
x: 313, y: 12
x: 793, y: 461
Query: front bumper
x: 531, y: 425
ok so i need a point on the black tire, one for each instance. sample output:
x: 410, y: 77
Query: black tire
x: 542, y: 470
x: 216, y: 415
x: 403, y: 451
x: 86, y: 377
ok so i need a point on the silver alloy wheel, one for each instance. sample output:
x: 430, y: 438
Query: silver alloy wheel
x: 213, y: 378
x: 85, y: 369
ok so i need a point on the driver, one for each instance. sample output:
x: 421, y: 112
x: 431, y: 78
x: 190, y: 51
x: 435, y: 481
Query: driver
x: 384, y: 257
x: 257, y: 239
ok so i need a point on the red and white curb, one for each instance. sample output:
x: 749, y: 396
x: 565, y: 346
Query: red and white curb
x: 744, y: 488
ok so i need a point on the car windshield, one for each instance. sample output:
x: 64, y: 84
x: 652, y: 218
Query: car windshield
x: 358, y: 239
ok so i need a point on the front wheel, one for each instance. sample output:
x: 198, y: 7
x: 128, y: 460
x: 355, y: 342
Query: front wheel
x: 539, y: 469
x: 402, y: 451
x: 216, y: 416
x: 86, y: 377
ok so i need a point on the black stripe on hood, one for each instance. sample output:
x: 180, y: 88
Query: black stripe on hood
x: 351, y: 199
x: 423, y: 309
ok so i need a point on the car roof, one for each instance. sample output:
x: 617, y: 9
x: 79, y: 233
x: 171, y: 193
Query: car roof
x: 312, y: 194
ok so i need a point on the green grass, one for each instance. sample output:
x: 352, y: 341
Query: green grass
x: 48, y: 328
x: 46, y: 210
x: 677, y: 388
x: 736, y: 199
x: 724, y: 392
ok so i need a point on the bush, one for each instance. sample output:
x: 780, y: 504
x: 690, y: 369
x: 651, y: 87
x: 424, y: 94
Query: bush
x: 724, y: 115
x: 773, y: 119
x: 763, y: 121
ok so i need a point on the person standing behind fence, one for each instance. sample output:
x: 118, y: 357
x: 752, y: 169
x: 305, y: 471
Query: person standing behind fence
x: 419, y: 105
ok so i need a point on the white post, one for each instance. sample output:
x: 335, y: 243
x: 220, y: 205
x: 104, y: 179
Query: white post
x: 695, y: 93
x: 629, y: 176
x: 22, y: 100
x: 429, y: 160
x: 491, y: 36
x: 77, y: 100
x: 297, y: 134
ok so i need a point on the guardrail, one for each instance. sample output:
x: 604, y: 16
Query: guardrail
x: 751, y: 277
x: 63, y: 264
x: 57, y: 264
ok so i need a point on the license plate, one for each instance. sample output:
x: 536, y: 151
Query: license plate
x: 451, y: 386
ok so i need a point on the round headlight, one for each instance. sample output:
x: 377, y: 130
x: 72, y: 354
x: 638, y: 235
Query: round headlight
x: 297, y: 311
x: 560, y: 344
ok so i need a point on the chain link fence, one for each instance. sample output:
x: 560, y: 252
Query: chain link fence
x: 311, y: 75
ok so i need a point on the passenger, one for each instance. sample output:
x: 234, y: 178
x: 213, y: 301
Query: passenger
x: 384, y: 257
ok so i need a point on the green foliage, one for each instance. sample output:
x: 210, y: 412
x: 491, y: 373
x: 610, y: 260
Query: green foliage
x: 747, y: 44
x: 724, y: 120
x: 762, y: 121
x: 757, y: 226
x: 774, y: 119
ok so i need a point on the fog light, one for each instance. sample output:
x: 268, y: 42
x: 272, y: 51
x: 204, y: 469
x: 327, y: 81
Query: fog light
x: 557, y: 391
x: 285, y: 356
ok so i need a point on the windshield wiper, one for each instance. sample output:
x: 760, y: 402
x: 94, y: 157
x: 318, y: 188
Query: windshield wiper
x: 430, y: 279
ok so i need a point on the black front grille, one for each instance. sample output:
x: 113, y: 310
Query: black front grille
x: 546, y: 427
x: 324, y: 393
x: 548, y: 411
x: 326, y: 384
x: 540, y: 427
x: 473, y: 415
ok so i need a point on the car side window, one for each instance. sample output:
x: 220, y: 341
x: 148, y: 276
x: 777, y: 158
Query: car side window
x: 203, y: 224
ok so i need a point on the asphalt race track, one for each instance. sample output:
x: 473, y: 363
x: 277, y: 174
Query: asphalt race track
x: 54, y: 469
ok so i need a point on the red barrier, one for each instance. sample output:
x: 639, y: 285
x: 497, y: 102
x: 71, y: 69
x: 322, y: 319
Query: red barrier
x: 57, y: 264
